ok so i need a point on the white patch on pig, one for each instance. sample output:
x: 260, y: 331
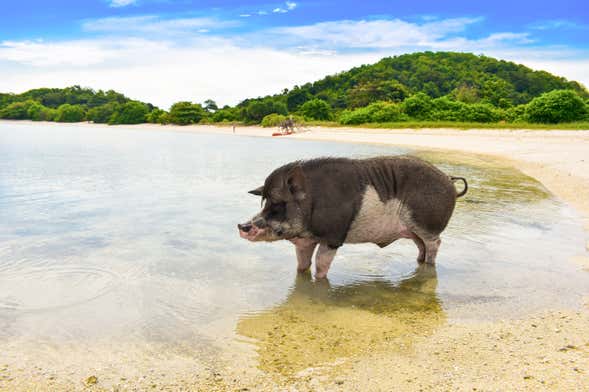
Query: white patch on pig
x: 378, y: 222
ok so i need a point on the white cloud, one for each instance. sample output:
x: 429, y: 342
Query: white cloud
x: 571, y: 69
x: 162, y: 72
x: 557, y: 24
x: 162, y: 69
x: 151, y: 24
x: 121, y: 3
x: 72, y: 53
x: 289, y: 6
x: 384, y: 33
x: 245, y: 15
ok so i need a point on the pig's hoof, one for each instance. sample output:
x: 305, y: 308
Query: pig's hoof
x: 320, y: 275
x: 301, y: 270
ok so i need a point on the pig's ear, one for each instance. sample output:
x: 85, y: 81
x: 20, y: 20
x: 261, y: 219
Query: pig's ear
x: 296, y: 183
x: 257, y: 191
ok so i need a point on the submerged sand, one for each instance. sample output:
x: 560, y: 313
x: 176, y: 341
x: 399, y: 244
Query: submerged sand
x: 547, y: 351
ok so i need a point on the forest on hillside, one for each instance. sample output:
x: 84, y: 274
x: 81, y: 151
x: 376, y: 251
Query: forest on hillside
x: 417, y: 87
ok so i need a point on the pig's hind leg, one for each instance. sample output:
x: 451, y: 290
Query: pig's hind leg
x: 428, y: 245
x: 421, y: 246
x: 431, y: 250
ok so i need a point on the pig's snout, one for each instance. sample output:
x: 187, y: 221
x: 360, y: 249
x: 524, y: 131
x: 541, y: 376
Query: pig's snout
x: 245, y: 227
x: 251, y: 231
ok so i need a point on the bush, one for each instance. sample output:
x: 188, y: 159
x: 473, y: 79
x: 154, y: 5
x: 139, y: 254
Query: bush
x: 184, y: 113
x: 556, y: 106
x: 155, y: 116
x: 418, y: 106
x: 354, y: 117
x: 70, y: 113
x: 132, y: 112
x: 445, y: 109
x: 375, y: 112
x: 273, y: 120
x: 102, y: 114
x: 18, y: 110
x: 316, y: 109
x: 38, y: 112
x: 226, y: 114
x: 385, y: 112
x: 516, y: 114
x: 479, y: 112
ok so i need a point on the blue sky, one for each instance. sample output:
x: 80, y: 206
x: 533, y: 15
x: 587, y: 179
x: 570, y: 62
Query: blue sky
x: 163, y: 51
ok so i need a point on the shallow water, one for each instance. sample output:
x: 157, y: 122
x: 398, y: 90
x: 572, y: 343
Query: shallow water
x: 111, y: 233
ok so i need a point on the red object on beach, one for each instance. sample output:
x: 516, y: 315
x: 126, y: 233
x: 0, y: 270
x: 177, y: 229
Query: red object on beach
x: 282, y: 133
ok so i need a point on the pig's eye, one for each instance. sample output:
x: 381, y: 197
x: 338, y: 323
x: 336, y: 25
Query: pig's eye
x: 277, y: 209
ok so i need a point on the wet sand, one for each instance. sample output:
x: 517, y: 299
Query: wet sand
x: 547, y: 351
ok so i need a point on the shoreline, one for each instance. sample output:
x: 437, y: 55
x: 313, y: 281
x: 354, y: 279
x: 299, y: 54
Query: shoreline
x: 544, y: 351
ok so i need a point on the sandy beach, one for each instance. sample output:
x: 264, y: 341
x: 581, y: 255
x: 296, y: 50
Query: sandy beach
x: 546, y: 351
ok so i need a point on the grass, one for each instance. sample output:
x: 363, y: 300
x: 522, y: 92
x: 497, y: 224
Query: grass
x: 455, y: 125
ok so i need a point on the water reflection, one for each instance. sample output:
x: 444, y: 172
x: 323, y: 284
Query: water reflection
x: 318, y: 322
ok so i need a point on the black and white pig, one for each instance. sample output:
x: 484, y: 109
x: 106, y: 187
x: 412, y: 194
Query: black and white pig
x: 334, y: 201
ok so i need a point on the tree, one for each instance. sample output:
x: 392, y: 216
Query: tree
x: 156, y: 116
x: 70, y: 113
x: 210, y: 105
x: 296, y: 97
x: 6, y: 99
x: 498, y: 92
x: 556, y: 106
x: 373, y: 91
x: 466, y: 94
x: 132, y: 112
x: 316, y: 109
x: 38, y: 112
x: 226, y: 114
x: 17, y: 110
x: 256, y: 110
x: 102, y: 114
x: 184, y: 113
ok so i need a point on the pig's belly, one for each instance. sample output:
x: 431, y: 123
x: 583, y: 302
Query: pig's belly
x: 378, y: 222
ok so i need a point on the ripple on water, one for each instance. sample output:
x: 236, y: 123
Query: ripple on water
x: 25, y: 288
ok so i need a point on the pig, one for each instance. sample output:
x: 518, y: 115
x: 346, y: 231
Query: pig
x: 327, y: 202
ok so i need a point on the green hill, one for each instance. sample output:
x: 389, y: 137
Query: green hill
x: 430, y: 87
x: 440, y: 86
x: 465, y: 76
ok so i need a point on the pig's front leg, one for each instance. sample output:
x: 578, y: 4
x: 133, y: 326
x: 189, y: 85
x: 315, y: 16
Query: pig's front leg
x: 323, y: 260
x: 304, y: 248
